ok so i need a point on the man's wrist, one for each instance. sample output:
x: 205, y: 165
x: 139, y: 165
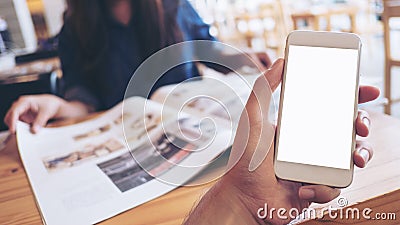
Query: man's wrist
x: 221, y: 205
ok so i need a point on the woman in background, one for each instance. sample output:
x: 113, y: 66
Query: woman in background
x: 101, y: 45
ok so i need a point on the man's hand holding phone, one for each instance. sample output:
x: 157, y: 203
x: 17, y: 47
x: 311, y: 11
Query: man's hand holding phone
x: 240, y: 193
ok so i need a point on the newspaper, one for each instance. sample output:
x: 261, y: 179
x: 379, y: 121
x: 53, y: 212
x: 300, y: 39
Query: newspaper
x: 135, y: 152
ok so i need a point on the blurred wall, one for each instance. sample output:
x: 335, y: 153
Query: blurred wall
x: 53, y: 11
x: 20, y: 25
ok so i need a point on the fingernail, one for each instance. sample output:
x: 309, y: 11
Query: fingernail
x: 307, y: 193
x: 364, y: 154
x: 366, y: 122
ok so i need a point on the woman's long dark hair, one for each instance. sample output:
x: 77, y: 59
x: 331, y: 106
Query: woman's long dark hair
x: 88, y: 19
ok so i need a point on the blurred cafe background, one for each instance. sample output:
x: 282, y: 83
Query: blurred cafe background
x: 29, y: 61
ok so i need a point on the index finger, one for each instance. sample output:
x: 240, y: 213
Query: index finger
x: 14, y: 113
x: 318, y: 193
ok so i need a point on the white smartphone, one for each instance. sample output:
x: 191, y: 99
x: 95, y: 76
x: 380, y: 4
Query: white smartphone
x: 318, y: 107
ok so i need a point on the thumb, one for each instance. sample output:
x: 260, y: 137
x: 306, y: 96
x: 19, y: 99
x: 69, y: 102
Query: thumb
x: 257, y: 106
x: 41, y: 120
x: 274, y: 74
x: 255, y: 133
x: 263, y: 90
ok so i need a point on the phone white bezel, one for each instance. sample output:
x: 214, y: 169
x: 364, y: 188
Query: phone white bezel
x: 309, y: 173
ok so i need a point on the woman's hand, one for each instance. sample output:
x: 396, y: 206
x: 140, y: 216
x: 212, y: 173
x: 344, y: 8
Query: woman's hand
x: 261, y: 60
x: 241, y: 193
x: 37, y: 110
x: 263, y: 57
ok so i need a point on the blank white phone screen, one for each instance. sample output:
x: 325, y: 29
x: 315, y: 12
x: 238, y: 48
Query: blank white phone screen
x: 318, y: 106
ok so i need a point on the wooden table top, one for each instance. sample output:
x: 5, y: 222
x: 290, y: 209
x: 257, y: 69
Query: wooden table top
x: 382, y: 175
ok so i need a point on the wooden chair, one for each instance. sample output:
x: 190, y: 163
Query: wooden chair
x: 273, y: 36
x: 391, y: 9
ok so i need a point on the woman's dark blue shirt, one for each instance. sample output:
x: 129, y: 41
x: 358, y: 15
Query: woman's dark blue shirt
x: 123, y: 58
